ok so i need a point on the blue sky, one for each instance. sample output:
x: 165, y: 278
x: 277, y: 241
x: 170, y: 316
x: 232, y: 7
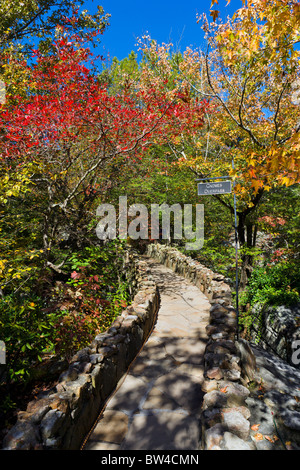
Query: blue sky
x: 165, y: 20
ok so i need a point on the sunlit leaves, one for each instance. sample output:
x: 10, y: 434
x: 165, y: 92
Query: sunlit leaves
x: 23, y: 20
x: 250, y: 72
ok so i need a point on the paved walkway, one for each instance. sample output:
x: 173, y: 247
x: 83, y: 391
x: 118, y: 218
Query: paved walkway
x: 157, y: 404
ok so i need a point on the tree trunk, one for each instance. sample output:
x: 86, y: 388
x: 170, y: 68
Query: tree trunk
x: 247, y: 239
x: 247, y: 232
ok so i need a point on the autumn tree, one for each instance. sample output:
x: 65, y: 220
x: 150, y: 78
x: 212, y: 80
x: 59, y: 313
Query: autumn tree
x: 250, y: 69
x: 27, y: 22
x: 249, y: 76
x: 22, y: 26
x: 27, y: 25
x: 71, y: 133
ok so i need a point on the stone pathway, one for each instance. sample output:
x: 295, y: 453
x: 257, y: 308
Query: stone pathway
x: 157, y: 404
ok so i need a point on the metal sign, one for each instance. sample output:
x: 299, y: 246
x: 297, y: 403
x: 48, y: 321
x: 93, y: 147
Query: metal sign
x: 209, y: 189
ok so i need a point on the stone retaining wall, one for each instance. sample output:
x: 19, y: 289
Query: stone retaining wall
x: 62, y: 418
x: 276, y: 329
x: 228, y: 364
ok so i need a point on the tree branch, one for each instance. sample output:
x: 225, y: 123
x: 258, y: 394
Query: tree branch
x: 277, y: 111
x: 239, y: 124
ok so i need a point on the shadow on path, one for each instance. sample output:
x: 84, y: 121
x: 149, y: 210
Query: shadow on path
x: 157, y: 404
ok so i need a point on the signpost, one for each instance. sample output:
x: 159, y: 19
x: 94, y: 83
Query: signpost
x: 218, y: 188
x: 222, y: 187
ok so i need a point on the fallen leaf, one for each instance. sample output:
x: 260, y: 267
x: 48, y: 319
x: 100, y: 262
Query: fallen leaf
x: 269, y: 439
x: 258, y: 436
x: 255, y: 427
x: 224, y: 390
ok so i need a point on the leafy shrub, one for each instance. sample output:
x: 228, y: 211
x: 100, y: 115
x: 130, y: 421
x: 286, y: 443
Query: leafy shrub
x: 70, y: 312
x: 90, y: 299
x: 277, y: 284
x: 269, y: 285
x: 217, y: 256
x: 26, y: 331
